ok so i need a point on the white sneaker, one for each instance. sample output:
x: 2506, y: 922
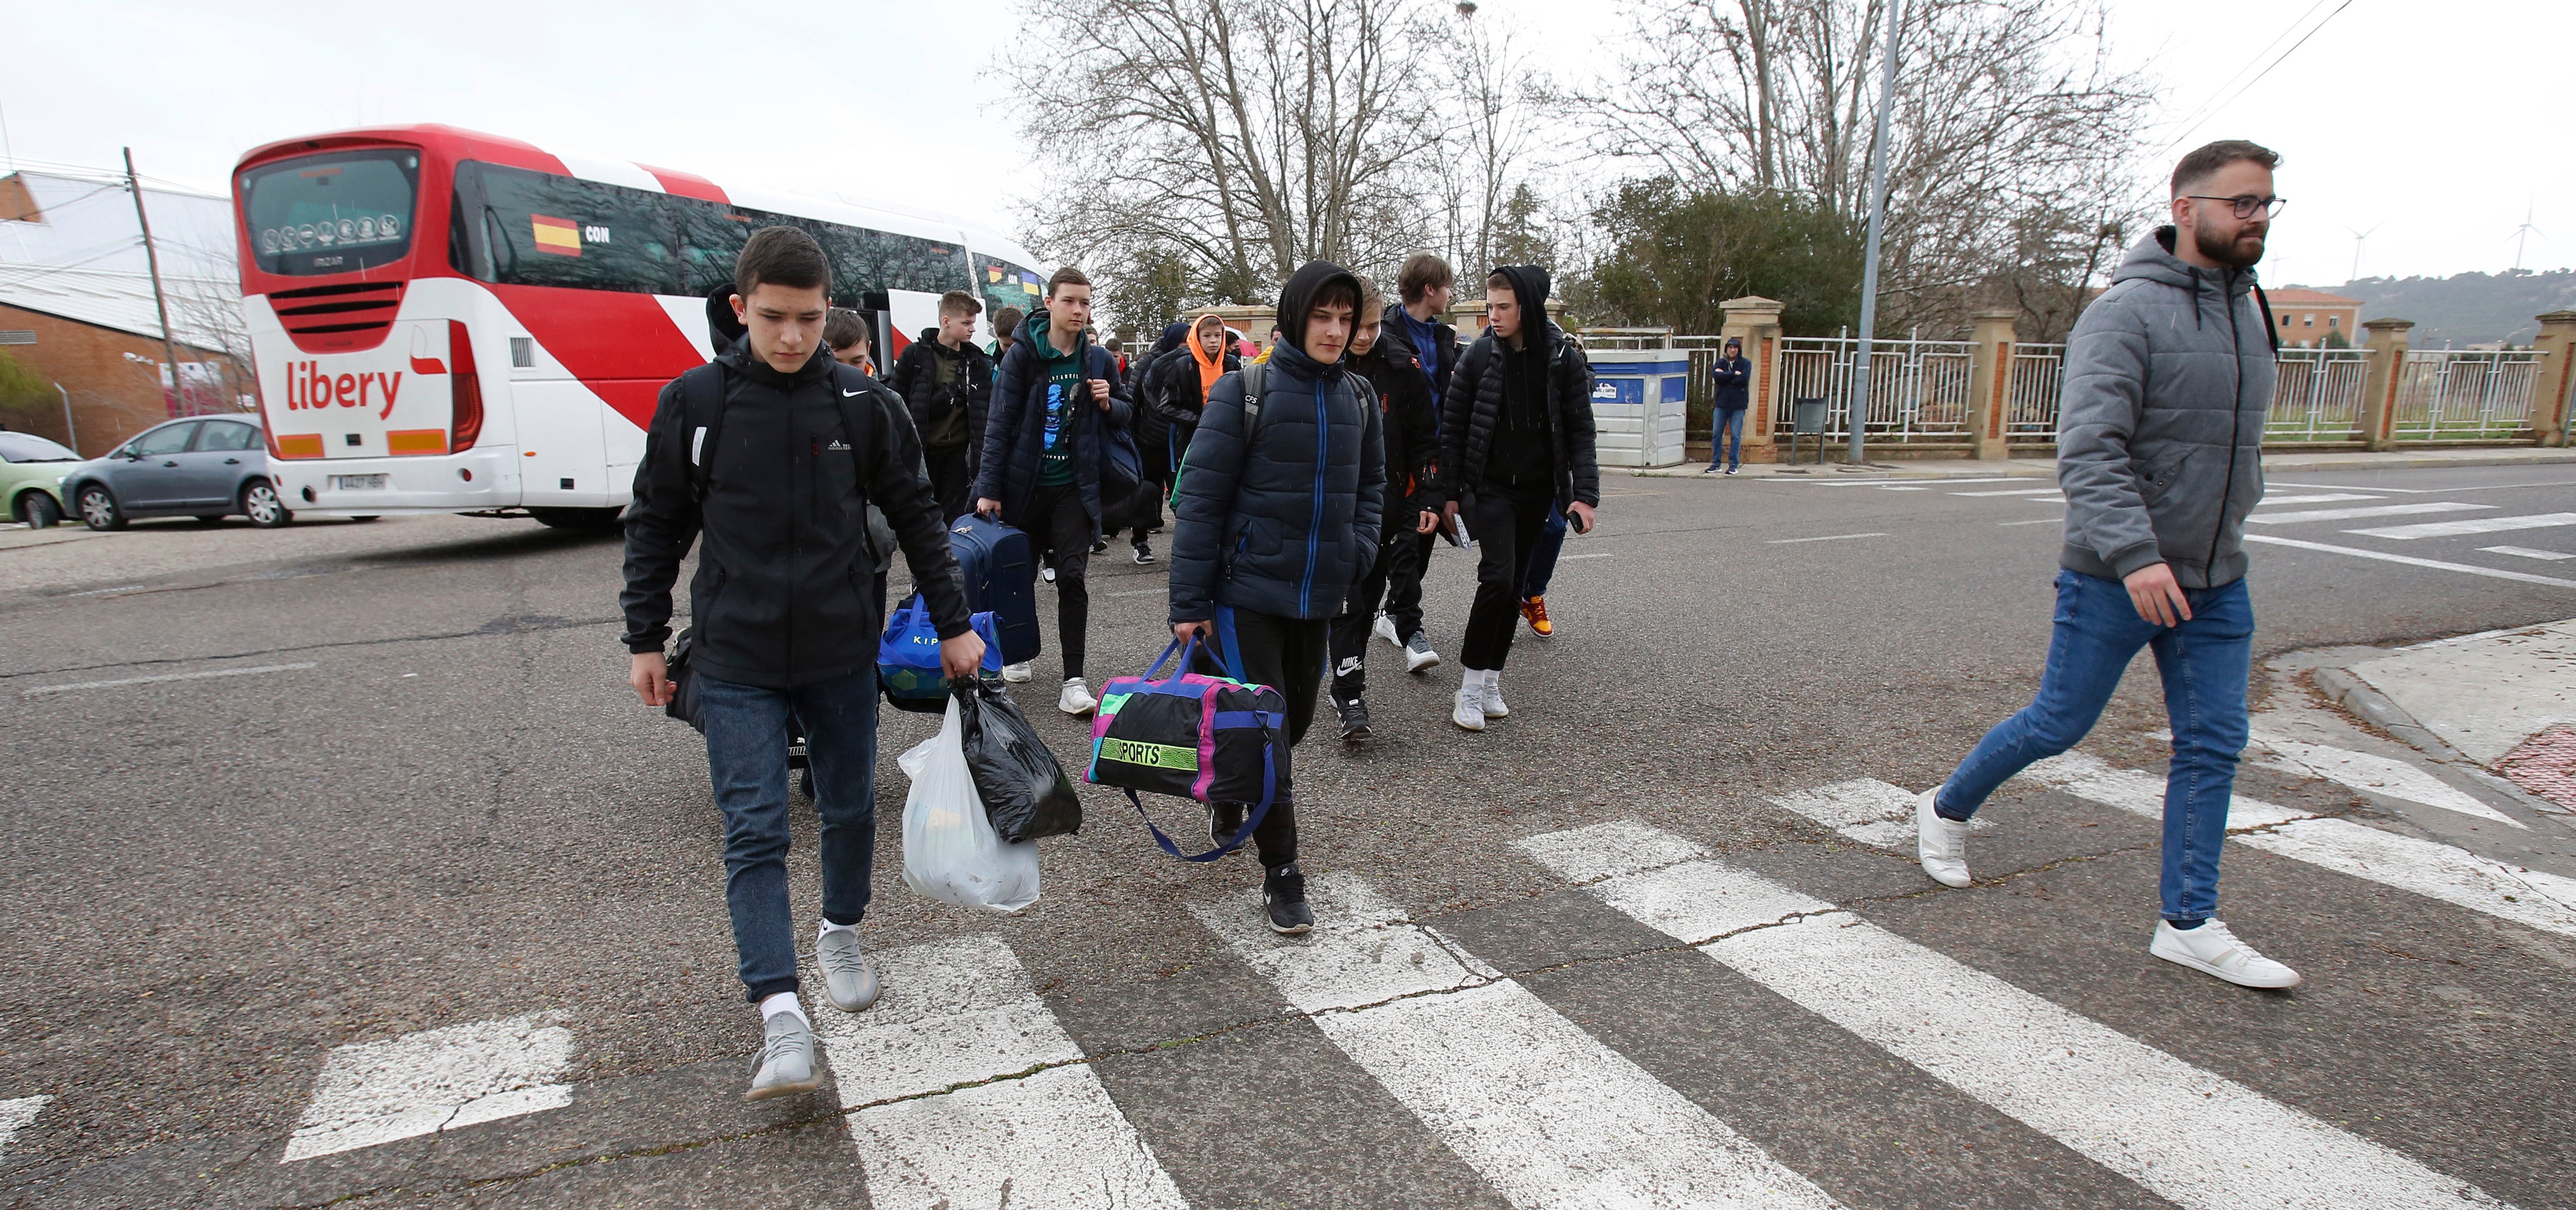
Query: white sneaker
x: 1941, y: 843
x: 1386, y: 630
x: 1046, y: 573
x: 2212, y: 950
x: 1470, y: 712
x: 1493, y: 696
x: 1017, y: 674
x: 1077, y: 697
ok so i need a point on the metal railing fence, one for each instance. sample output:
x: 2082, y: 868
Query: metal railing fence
x: 2453, y: 394
x: 1918, y: 389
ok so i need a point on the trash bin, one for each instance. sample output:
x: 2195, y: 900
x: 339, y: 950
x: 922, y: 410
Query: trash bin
x: 1806, y: 419
x: 1640, y: 405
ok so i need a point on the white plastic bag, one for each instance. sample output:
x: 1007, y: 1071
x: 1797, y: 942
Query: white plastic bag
x: 950, y: 851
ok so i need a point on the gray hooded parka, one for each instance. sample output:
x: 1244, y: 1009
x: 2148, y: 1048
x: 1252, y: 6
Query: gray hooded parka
x: 2160, y: 430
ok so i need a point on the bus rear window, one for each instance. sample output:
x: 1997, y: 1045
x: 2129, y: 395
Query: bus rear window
x: 334, y: 213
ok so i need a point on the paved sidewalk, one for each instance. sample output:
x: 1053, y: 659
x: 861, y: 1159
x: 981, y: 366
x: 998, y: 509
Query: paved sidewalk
x: 2505, y: 699
x: 2274, y: 462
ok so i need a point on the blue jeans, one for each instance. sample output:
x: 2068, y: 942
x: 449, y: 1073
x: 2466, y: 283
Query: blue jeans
x: 1542, y: 568
x: 747, y: 758
x: 2205, y: 664
x: 1726, y: 437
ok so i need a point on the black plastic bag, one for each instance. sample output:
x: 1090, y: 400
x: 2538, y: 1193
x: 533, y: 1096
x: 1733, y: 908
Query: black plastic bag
x: 684, y: 685
x: 1025, y: 793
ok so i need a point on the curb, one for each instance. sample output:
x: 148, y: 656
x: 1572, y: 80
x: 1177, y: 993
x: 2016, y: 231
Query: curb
x: 2408, y: 460
x: 2348, y: 691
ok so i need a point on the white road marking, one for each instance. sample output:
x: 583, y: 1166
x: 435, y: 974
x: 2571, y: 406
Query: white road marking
x: 2437, y: 871
x: 960, y: 1013
x: 2034, y: 521
x: 1865, y: 809
x: 370, y: 1093
x: 2355, y: 514
x: 2323, y: 498
x: 1928, y: 481
x: 2526, y: 552
x: 100, y: 592
x: 1826, y: 538
x: 173, y: 676
x: 15, y: 1116
x: 2189, y: 1135
x: 2017, y: 491
x: 2374, y: 775
x: 1548, y: 1115
x: 2479, y: 525
x: 1138, y: 592
x: 2493, y: 573
x: 1598, y: 554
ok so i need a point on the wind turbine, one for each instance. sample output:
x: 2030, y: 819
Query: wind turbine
x: 2357, y: 237
x: 2523, y: 234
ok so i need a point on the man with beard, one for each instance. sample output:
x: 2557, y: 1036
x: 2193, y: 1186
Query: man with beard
x: 2160, y: 453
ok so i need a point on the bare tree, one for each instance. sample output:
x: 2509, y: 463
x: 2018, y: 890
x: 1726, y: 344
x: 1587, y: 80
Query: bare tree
x: 2009, y: 116
x: 1243, y: 139
x: 1496, y: 96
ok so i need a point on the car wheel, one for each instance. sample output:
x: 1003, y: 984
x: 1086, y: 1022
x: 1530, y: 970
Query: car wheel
x: 98, y: 508
x: 593, y: 519
x: 260, y: 503
x: 39, y: 511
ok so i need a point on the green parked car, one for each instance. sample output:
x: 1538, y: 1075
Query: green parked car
x: 31, y: 477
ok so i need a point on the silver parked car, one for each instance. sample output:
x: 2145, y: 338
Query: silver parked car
x: 207, y: 467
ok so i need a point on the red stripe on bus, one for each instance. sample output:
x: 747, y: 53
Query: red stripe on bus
x: 621, y: 346
x: 687, y: 184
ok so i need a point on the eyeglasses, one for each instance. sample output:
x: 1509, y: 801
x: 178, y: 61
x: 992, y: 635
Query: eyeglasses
x: 2246, y: 204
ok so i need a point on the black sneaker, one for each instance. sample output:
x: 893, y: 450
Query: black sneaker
x: 1355, y: 720
x: 1099, y: 546
x: 1224, y: 820
x: 1144, y: 553
x: 1283, y: 899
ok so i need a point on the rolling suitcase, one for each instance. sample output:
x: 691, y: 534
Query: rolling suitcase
x: 1001, y: 574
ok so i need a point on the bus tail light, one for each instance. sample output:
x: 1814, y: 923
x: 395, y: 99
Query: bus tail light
x: 465, y: 388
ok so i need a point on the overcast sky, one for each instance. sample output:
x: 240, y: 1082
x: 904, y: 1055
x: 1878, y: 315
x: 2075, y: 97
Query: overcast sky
x: 2413, y: 122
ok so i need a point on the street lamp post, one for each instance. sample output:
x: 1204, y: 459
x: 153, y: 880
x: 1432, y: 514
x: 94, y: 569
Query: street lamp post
x: 1859, y: 409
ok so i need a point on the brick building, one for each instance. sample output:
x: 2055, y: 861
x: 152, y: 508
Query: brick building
x: 2304, y: 317
x: 76, y: 306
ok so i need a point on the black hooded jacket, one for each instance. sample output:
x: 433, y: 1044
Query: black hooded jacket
x: 1145, y: 385
x: 784, y: 592
x: 1475, y: 410
x: 1405, y: 411
x: 1281, y: 519
x: 960, y: 410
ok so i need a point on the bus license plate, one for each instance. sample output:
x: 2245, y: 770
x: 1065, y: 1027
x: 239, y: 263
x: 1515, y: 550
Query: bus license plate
x: 358, y: 483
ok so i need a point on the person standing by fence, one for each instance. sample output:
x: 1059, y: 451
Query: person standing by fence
x: 1731, y: 381
x: 2160, y: 451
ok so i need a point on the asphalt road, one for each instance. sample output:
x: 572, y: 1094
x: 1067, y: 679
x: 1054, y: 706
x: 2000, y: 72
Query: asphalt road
x: 416, y: 795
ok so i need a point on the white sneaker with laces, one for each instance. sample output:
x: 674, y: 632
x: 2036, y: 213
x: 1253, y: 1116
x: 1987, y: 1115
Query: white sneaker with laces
x: 1470, y: 711
x: 1493, y: 695
x: 1076, y: 699
x: 1385, y: 629
x: 1017, y: 674
x: 1942, y: 844
x: 2212, y: 950
x: 1418, y: 655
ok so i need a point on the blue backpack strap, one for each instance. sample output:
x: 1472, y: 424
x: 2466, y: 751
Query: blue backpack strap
x: 1251, y: 822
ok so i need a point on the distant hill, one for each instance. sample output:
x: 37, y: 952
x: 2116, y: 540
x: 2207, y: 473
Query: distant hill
x: 2470, y: 308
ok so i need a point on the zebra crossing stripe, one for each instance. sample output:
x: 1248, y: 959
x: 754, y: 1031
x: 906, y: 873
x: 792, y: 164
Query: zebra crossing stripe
x: 985, y: 1099
x: 2193, y: 1137
x: 14, y: 1117
x: 2375, y: 775
x: 1864, y: 809
x: 2436, y: 871
x: 1546, y: 1113
x: 371, y: 1093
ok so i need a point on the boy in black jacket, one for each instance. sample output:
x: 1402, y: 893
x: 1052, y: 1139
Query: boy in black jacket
x: 947, y: 384
x: 1403, y: 394
x: 772, y: 455
x: 1278, y: 518
x: 1516, y: 443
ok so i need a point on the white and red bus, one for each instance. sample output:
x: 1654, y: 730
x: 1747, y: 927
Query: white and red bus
x: 446, y: 321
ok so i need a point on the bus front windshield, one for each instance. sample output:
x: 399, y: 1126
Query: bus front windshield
x: 334, y: 213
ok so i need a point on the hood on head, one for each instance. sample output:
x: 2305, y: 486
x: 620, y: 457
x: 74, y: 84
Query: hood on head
x: 722, y: 328
x: 1298, y: 296
x: 1173, y: 334
x: 1529, y: 289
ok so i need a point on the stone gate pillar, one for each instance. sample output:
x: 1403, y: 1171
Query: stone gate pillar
x: 1990, y: 368
x: 2387, y: 373
x: 1756, y: 322
x: 2557, y: 376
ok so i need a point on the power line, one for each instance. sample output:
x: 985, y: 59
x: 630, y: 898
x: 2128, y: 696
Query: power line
x: 2258, y: 77
x: 2250, y: 61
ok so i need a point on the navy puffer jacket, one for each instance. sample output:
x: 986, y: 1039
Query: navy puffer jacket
x: 1282, y: 520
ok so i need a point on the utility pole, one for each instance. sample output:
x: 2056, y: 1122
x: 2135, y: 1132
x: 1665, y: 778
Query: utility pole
x: 152, y: 258
x: 71, y: 432
x: 1877, y: 227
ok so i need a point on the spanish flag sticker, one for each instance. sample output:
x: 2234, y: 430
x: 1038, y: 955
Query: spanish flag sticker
x: 560, y: 236
x: 992, y: 273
